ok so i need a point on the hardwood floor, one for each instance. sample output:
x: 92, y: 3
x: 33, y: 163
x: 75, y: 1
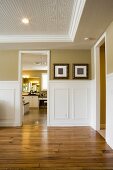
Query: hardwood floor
x: 37, y: 147
x: 36, y: 116
x: 102, y: 132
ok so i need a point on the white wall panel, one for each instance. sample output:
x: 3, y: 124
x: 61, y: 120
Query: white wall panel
x: 80, y: 103
x: 69, y: 103
x: 9, y: 103
x: 61, y: 109
x: 93, y: 121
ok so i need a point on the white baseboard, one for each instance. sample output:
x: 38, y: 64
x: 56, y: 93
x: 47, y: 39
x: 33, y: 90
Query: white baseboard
x: 70, y: 124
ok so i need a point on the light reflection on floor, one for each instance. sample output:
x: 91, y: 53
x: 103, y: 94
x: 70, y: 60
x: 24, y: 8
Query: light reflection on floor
x: 36, y: 117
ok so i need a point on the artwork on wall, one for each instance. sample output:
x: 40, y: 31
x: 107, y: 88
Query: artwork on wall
x: 80, y: 71
x: 61, y: 71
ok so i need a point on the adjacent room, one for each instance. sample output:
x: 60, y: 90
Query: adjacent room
x: 34, y: 88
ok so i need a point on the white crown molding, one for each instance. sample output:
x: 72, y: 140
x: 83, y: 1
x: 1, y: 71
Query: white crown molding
x: 76, y: 15
x: 33, y: 38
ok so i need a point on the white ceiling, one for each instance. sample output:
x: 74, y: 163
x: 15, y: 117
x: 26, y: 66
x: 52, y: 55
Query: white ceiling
x: 53, y: 23
x: 47, y: 17
x: 50, y: 20
x: 34, y: 61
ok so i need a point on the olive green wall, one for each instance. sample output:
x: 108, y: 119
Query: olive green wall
x: 70, y: 57
x: 102, y: 86
x: 8, y: 65
x: 109, y: 47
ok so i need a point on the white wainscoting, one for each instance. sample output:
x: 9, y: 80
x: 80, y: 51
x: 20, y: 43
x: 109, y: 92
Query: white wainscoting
x: 109, y: 110
x: 93, y: 104
x: 69, y: 103
x: 9, y: 103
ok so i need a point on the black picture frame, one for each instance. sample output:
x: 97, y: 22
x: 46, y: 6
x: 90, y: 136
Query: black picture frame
x: 80, y: 71
x: 61, y: 71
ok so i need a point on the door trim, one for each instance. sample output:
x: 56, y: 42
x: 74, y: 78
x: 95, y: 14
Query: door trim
x: 97, y: 76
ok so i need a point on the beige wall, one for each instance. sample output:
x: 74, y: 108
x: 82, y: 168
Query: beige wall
x: 8, y: 65
x: 92, y: 64
x: 9, y: 62
x: 109, y: 47
x: 102, y: 86
x: 70, y: 57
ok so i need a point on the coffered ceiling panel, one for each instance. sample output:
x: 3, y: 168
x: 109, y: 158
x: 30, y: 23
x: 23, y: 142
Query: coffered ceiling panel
x: 46, y: 17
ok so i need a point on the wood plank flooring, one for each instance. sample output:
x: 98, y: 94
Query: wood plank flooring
x: 36, y: 116
x: 37, y: 147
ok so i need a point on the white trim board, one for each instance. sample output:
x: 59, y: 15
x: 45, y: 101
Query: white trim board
x: 76, y: 15
x: 33, y: 38
x: 96, y: 82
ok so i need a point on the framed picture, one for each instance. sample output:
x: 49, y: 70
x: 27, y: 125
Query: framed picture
x: 80, y: 71
x: 61, y: 71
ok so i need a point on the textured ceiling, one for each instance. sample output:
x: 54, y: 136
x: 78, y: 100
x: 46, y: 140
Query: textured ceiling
x: 46, y: 17
x: 96, y: 17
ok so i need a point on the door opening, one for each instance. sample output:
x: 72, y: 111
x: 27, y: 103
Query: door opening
x: 34, y: 78
x: 102, y: 90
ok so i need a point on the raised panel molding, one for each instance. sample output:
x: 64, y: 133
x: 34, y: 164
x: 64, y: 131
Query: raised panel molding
x: 69, y: 103
x: 9, y: 103
x: 80, y: 103
x: 61, y: 109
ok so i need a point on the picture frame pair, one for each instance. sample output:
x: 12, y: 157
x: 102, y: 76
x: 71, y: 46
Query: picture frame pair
x: 79, y: 71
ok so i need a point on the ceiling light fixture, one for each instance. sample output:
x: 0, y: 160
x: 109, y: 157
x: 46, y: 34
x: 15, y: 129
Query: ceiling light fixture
x: 25, y: 76
x: 89, y: 38
x: 25, y: 21
x: 86, y: 38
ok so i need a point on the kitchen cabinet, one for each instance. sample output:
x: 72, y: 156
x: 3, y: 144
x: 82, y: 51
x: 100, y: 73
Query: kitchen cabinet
x: 33, y: 100
x: 42, y: 102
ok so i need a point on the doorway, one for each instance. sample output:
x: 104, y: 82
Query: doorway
x: 102, y: 91
x: 34, y: 85
x: 100, y: 85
